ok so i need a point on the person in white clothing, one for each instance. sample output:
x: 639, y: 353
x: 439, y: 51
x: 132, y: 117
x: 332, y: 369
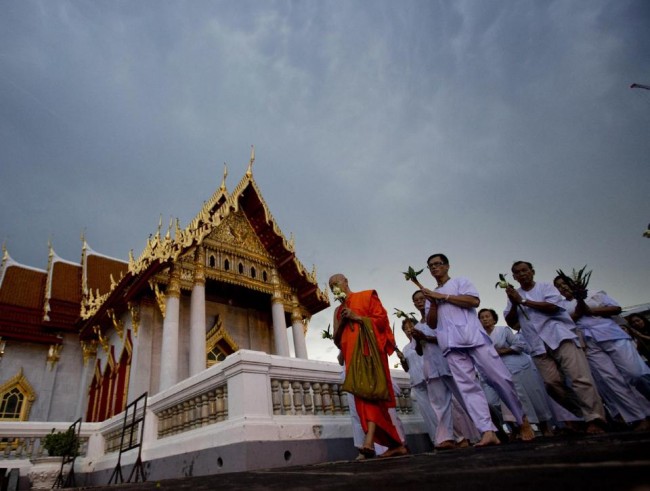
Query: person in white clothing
x: 536, y: 310
x: 467, y: 348
x: 413, y: 365
x: 612, y: 356
x: 454, y: 423
x: 512, y: 348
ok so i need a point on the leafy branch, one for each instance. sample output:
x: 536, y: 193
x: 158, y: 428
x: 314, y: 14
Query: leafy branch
x: 327, y: 333
x: 578, y: 282
x: 412, y: 275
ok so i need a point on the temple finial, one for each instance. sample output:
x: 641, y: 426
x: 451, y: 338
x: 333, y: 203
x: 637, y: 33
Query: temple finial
x: 249, y: 172
x: 178, y: 232
x: 168, y: 235
x: 223, y: 181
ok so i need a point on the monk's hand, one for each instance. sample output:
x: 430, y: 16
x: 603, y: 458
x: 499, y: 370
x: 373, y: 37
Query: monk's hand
x: 348, y: 313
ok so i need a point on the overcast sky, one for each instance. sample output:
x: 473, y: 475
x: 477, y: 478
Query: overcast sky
x: 384, y: 131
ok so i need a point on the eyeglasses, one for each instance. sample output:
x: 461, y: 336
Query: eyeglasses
x: 435, y: 265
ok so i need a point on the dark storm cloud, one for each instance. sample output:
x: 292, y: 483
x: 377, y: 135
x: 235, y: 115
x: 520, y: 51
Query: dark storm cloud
x: 384, y: 130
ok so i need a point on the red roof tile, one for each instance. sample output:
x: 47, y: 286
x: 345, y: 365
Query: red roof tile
x: 23, y: 287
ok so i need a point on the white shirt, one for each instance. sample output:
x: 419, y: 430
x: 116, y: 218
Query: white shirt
x: 459, y: 327
x: 596, y: 327
x: 434, y: 363
x: 415, y: 361
x: 503, y: 337
x: 544, y: 329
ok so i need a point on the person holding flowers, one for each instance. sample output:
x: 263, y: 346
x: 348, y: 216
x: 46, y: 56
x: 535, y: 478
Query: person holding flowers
x: 451, y: 309
x: 614, y: 361
x: 453, y: 428
x: 536, y: 310
x: 357, y: 311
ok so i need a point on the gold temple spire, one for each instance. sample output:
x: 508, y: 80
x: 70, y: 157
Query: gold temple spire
x: 5, y: 260
x: 84, y: 264
x: 168, y: 235
x: 223, y: 181
x: 177, y: 231
x: 249, y: 171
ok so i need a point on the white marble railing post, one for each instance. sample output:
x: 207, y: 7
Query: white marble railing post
x: 169, y: 351
x: 197, y: 315
x: 249, y: 384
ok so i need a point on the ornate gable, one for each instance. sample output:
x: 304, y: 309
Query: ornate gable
x: 244, y: 246
x: 235, y: 232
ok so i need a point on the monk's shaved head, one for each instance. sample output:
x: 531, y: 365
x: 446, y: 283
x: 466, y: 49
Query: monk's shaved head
x: 338, y: 279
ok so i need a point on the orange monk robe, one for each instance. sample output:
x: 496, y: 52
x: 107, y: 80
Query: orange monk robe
x: 367, y: 304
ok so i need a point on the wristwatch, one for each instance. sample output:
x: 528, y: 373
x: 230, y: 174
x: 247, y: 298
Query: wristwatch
x: 524, y: 302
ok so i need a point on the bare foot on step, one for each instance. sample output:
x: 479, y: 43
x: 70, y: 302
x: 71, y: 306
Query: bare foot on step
x: 488, y: 439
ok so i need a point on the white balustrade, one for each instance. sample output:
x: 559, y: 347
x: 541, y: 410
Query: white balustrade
x: 249, y: 396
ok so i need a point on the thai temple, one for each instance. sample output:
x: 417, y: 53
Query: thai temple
x: 191, y: 338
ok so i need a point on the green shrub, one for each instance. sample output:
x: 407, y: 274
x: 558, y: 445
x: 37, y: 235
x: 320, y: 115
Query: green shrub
x: 61, y: 443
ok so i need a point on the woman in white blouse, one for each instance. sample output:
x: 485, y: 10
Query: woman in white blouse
x: 512, y: 349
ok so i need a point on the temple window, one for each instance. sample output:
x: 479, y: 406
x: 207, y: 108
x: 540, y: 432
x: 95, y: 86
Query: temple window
x: 264, y: 276
x: 226, y: 265
x: 16, y: 397
x: 212, y: 261
x: 241, y: 268
x: 11, y: 404
x: 253, y: 273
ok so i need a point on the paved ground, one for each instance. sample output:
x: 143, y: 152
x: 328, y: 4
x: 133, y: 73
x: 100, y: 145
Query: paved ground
x: 612, y: 462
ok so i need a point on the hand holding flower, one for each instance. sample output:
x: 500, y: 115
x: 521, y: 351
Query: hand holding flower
x: 512, y: 293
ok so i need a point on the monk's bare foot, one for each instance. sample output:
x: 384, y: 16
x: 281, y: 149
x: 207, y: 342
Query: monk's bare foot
x: 446, y: 445
x: 488, y: 439
x: 395, y: 452
x: 365, y: 453
x: 526, y: 432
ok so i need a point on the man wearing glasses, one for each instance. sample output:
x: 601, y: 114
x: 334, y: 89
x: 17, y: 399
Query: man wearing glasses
x: 451, y: 308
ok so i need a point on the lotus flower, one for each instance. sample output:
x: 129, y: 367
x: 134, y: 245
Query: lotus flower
x: 503, y: 283
x: 339, y: 294
x: 403, y: 315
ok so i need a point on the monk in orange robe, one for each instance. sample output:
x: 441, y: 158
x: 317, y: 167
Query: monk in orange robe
x: 375, y: 419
